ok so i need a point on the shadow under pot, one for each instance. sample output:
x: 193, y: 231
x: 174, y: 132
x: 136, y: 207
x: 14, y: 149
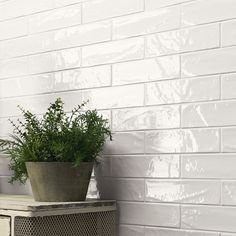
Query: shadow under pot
x: 59, y: 181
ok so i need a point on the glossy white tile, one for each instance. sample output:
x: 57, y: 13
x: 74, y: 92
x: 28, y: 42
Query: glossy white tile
x: 82, y: 35
x: 146, y: 70
x: 229, y: 192
x: 54, y: 61
x: 208, y: 166
x: 125, y: 143
x: 228, y: 139
x: 14, y: 8
x: 184, y: 90
x: 98, y: 76
x: 217, y: 218
x: 38, y: 103
x: 154, y: 231
x: 166, y: 215
x: 228, y: 82
x: 149, y: 166
x: 147, y: 22
x: 14, y: 67
x: 175, y: 141
x: 209, y: 114
x: 13, y: 28
x: 163, y: 141
x: 131, y: 230
x: 153, y: 4
x: 114, y: 97
x: 184, y: 191
x: 146, y: 118
x: 209, y: 62
x: 54, y: 82
x: 199, y: 12
x: 226, y: 234
x: 111, y: 52
x: 28, y: 45
x: 58, y: 18
x: 184, y: 40
x: 102, y: 9
x: 228, y: 33
x: 62, y: 3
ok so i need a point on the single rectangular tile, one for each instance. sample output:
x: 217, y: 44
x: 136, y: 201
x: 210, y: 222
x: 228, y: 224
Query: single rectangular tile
x: 209, y: 62
x: 38, y: 104
x: 184, y: 90
x: 114, y: 97
x: 146, y: 118
x: 111, y: 52
x: 58, y: 18
x: 102, y: 9
x: 121, y: 189
x: 28, y: 45
x: 151, y: 231
x: 97, y: 76
x: 149, y: 214
x: 13, y: 28
x: 229, y: 192
x: 199, y: 12
x: 215, y: 218
x: 125, y: 143
x: 228, y: 86
x: 228, y: 33
x: 53, y: 61
x: 183, y: 191
x: 166, y: 166
x: 131, y: 230
x: 146, y: 22
x: 54, y: 82
x: 200, y: 166
x: 61, y: 3
x: 146, y: 70
x: 154, y: 4
x: 175, y: 141
x: 163, y: 141
x: 14, y: 67
x: 200, y: 140
x: 225, y: 234
x: 82, y: 35
x: 228, y: 140
x: 209, y: 114
x: 184, y: 40
x: 14, y: 8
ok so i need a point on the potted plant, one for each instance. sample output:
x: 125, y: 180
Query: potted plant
x: 57, y: 151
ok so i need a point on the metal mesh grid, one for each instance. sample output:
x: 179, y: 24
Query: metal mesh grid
x: 83, y: 224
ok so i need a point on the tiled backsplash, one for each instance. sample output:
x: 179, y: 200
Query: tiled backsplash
x: 164, y: 73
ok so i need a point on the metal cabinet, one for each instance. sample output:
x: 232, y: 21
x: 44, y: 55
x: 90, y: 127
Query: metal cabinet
x: 21, y: 216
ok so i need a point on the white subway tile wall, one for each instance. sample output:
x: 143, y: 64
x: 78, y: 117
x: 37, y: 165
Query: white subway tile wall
x: 164, y: 74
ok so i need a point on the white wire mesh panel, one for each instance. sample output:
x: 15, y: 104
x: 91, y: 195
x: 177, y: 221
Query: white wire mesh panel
x: 83, y: 224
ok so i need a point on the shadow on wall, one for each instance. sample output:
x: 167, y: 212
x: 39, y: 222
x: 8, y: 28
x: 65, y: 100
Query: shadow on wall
x: 105, y: 187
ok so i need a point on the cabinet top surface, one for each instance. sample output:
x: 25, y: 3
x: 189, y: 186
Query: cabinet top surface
x: 26, y: 203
